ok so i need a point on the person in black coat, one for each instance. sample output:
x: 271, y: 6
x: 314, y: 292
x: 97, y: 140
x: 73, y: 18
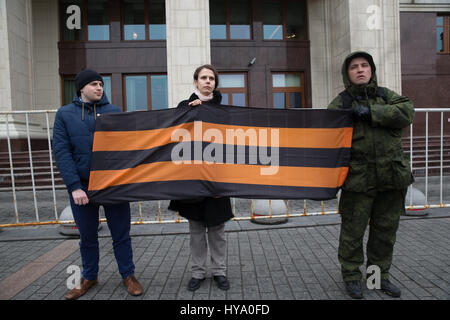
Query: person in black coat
x: 207, y: 215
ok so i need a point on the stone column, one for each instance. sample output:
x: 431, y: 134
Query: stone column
x: 321, y: 64
x: 16, y: 65
x: 47, y: 82
x: 330, y: 42
x: 188, y: 45
x: 5, y: 66
x: 338, y: 27
x: 19, y: 28
x: 375, y: 28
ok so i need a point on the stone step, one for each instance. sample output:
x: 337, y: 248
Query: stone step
x: 28, y: 182
x: 29, y: 188
x: 27, y: 176
x: 18, y: 164
x: 7, y: 171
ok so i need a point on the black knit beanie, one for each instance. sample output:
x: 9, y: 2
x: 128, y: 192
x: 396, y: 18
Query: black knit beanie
x: 85, y: 77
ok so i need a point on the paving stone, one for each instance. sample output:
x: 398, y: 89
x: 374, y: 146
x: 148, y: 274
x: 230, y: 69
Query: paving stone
x: 27, y: 292
x: 153, y: 293
x: 336, y: 295
x: 265, y: 285
x: 302, y: 295
x: 277, y: 263
x: 268, y: 296
x: 251, y: 292
x: 234, y: 296
x: 248, y: 278
x: 284, y: 292
x: 279, y: 277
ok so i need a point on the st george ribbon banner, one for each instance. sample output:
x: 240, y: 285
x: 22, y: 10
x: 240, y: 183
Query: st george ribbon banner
x: 217, y: 150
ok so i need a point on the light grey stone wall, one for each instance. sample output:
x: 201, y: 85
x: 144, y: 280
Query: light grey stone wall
x: 188, y: 45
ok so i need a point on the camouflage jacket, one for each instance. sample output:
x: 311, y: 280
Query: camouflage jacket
x: 377, y: 159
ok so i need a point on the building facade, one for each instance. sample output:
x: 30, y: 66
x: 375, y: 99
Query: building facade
x: 269, y: 53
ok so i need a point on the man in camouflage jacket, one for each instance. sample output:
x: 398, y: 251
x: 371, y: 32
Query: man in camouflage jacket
x: 379, y: 172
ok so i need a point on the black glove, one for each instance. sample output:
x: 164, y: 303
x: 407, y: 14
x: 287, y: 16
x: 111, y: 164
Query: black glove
x: 361, y: 112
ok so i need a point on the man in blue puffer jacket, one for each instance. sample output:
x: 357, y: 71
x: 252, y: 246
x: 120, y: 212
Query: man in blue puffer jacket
x: 73, y: 135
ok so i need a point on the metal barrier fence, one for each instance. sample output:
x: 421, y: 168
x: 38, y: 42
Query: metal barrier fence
x: 293, y: 208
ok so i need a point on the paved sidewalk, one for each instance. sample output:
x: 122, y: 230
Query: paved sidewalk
x: 296, y: 260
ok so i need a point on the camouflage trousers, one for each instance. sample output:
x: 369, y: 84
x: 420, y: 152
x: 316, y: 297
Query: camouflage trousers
x: 381, y: 211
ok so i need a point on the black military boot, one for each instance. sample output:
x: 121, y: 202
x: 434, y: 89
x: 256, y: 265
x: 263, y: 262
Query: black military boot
x: 354, y: 289
x: 390, y: 289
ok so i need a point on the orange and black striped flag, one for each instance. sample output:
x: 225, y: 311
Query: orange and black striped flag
x: 217, y: 150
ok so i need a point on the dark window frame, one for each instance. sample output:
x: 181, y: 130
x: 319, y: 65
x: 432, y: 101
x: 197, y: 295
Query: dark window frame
x: 122, y: 22
x: 230, y: 91
x: 148, y: 85
x: 287, y: 90
x: 63, y: 92
x: 284, y: 17
x: 446, y: 27
x: 228, y: 32
x: 84, y: 23
x: 147, y: 22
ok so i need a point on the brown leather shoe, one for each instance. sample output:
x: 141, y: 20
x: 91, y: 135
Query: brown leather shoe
x: 85, y: 285
x: 133, y: 286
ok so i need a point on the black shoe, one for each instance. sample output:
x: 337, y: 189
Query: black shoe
x: 194, y: 284
x: 354, y: 289
x: 390, y: 289
x: 222, y: 282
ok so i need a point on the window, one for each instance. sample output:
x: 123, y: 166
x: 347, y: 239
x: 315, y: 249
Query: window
x: 443, y: 33
x: 157, y: 19
x: 136, y: 93
x: 159, y: 92
x: 107, y: 87
x: 145, y: 92
x: 233, y: 87
x: 138, y: 14
x: 69, y: 30
x: 273, y: 20
x: 69, y: 89
x: 229, y: 19
x: 288, y: 90
x: 75, y: 27
x: 284, y: 19
x: 97, y: 20
x: 134, y: 20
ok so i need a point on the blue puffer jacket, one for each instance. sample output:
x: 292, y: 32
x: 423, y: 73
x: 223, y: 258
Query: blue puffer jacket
x: 73, y: 135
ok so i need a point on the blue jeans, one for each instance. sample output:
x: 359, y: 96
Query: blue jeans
x: 118, y: 219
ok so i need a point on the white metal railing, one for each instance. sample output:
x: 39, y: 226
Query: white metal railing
x: 427, y: 111
x: 8, y: 137
x: 176, y: 218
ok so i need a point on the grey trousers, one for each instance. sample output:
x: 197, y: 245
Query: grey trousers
x: 199, y: 249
